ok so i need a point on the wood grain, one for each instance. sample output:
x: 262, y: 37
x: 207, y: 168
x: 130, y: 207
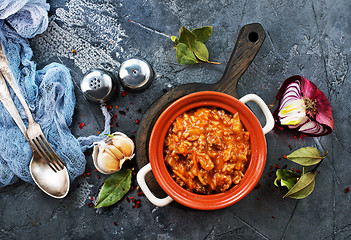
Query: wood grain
x: 249, y: 41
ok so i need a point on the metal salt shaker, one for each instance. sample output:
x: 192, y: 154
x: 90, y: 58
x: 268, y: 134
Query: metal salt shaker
x: 135, y: 74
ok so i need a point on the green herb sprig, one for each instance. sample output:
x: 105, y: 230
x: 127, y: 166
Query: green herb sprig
x: 300, y: 185
x: 190, y: 46
x: 109, y: 135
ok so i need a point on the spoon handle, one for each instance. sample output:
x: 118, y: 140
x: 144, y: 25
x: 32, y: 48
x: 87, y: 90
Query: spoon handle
x: 7, y: 74
x: 6, y: 99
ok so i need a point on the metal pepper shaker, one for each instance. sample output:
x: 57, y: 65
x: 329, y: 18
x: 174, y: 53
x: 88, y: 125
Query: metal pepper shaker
x: 99, y: 85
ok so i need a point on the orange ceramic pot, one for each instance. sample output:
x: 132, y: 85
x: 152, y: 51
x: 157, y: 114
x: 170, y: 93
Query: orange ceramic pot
x: 257, y: 142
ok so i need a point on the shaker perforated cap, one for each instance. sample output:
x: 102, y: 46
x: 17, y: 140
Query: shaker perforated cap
x: 98, y: 85
x: 135, y: 74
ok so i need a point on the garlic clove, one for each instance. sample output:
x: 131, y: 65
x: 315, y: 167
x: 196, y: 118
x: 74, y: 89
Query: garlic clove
x: 109, y: 152
x: 115, y: 152
x: 109, y: 162
x: 124, y: 145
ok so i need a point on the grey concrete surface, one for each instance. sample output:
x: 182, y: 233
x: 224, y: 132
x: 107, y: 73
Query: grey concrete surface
x: 306, y: 37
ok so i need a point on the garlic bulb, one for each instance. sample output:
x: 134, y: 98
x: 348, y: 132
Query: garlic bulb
x: 110, y: 153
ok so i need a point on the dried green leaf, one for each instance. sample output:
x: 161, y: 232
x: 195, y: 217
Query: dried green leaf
x: 175, y: 40
x: 306, y: 156
x: 195, y: 50
x: 288, y: 183
x: 286, y: 178
x: 200, y: 51
x: 114, y: 188
x: 187, y: 37
x: 185, y: 55
x: 303, y: 187
x: 305, y: 169
x: 202, y: 34
x: 286, y: 174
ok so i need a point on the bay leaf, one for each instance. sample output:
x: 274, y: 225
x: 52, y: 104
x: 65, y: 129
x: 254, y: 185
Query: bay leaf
x: 306, y: 156
x: 187, y: 37
x: 286, y: 178
x: 195, y: 50
x: 202, y: 34
x: 303, y: 187
x: 114, y: 188
x: 305, y: 169
x: 200, y: 51
x: 289, y: 183
x: 286, y: 174
x: 185, y: 55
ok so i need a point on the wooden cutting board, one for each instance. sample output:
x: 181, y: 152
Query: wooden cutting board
x: 249, y: 42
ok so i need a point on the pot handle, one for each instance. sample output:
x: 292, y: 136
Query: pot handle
x: 267, y: 113
x: 160, y: 202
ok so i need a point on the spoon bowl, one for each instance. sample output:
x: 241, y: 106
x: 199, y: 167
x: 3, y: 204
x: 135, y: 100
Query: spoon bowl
x: 55, y: 184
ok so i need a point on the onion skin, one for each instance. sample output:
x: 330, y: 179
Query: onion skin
x: 322, y: 120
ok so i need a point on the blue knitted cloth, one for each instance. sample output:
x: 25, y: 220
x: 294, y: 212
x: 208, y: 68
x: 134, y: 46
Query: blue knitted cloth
x: 49, y: 93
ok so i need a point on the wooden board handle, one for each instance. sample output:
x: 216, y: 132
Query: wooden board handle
x: 248, y: 44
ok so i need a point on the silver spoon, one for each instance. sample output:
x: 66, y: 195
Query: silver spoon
x: 55, y: 184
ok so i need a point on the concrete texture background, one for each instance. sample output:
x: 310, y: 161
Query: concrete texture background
x: 306, y: 37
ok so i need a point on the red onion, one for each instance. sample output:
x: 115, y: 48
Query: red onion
x: 304, y: 107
